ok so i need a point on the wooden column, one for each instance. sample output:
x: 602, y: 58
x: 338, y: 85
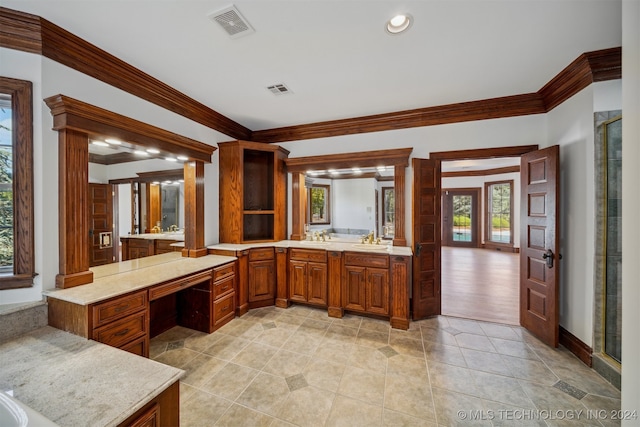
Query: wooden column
x: 242, y: 305
x: 334, y: 276
x: 282, y: 298
x: 154, y: 206
x: 399, y: 238
x: 400, y: 282
x: 194, y: 210
x: 298, y: 206
x: 73, y: 209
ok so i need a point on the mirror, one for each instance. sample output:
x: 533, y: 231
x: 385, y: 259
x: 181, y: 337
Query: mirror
x: 350, y: 203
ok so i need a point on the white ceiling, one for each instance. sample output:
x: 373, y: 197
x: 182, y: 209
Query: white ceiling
x: 335, y: 55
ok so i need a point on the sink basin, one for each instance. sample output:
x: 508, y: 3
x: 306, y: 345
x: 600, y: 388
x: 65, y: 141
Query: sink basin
x: 309, y: 242
x: 13, y: 413
x: 370, y: 247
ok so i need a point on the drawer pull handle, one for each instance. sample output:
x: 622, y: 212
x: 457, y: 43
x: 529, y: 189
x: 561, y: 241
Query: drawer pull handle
x: 121, y: 308
x: 225, y: 288
x: 225, y: 308
x: 121, y: 333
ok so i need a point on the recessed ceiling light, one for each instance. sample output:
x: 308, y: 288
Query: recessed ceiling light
x: 153, y: 151
x: 155, y: 182
x: 171, y: 159
x: 399, y: 23
x: 356, y: 171
x: 183, y: 158
x: 333, y: 172
x: 382, y: 168
x: 100, y: 143
x: 141, y: 153
x: 113, y: 141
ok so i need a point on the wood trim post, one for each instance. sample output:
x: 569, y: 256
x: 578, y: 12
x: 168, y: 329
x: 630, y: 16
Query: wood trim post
x: 73, y: 209
x: 298, y: 206
x: 400, y: 282
x: 399, y: 238
x: 334, y: 276
x: 194, y: 210
x: 282, y: 299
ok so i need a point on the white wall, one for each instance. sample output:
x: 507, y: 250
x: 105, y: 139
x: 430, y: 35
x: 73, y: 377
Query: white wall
x: 478, y: 182
x: 630, y: 208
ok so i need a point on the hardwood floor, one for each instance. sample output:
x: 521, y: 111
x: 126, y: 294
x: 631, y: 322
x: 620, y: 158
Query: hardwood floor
x: 480, y: 284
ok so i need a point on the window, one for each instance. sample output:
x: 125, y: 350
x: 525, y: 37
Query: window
x: 388, y: 211
x: 319, y: 212
x: 499, y: 206
x: 16, y: 184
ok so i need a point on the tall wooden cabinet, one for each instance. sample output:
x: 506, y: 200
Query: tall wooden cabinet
x: 253, y: 192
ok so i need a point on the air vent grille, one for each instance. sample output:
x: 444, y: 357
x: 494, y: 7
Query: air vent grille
x: 232, y: 22
x: 279, y: 89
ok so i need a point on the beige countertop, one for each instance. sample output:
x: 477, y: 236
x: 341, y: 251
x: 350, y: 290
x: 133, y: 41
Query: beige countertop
x: 340, y: 245
x: 156, y: 236
x: 116, y: 279
x: 78, y: 382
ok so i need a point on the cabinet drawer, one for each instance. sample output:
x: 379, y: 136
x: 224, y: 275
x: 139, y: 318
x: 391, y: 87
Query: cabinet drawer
x: 223, y: 287
x: 176, y: 285
x: 224, y: 271
x: 366, y: 260
x: 260, y: 254
x: 308, y: 255
x: 139, y: 346
x: 115, y: 309
x: 224, y: 308
x: 123, y: 330
x: 164, y: 246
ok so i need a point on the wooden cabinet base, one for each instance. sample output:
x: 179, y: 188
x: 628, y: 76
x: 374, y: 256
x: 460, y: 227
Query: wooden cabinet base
x: 335, y: 312
x: 163, y: 410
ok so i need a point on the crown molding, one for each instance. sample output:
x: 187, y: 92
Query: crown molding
x: 31, y: 33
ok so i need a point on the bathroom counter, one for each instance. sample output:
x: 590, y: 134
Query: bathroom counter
x: 339, y: 245
x: 76, y: 382
x: 117, y: 279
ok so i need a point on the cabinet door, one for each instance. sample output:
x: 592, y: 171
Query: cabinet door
x: 354, y: 288
x: 317, y: 283
x: 262, y: 282
x: 377, y: 291
x: 298, y: 280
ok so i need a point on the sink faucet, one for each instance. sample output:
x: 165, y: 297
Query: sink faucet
x: 370, y: 238
x: 156, y: 229
x: 173, y: 228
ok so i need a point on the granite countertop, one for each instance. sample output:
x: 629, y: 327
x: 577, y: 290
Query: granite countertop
x: 116, y: 279
x: 340, y: 245
x: 78, y: 382
x: 156, y: 236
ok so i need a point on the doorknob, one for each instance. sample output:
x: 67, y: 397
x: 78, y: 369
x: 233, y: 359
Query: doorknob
x: 418, y: 249
x: 549, y: 256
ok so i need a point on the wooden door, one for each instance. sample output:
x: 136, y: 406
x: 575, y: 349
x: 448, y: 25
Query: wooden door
x: 261, y: 280
x: 317, y: 283
x: 539, y: 241
x: 353, y: 296
x: 377, y: 291
x: 426, y: 299
x: 298, y: 280
x: 100, y: 221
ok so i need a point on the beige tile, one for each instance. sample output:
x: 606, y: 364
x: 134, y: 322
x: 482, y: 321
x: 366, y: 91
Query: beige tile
x: 255, y: 355
x: 402, y: 364
x: 308, y: 406
x: 238, y: 415
x: 202, y: 408
x: 324, y: 374
x: 375, y: 324
x: 603, y: 409
x: 303, y: 342
x: 501, y: 389
x: 465, y: 325
x: 514, y: 348
x: 585, y: 379
x: 503, y: 415
x: 265, y: 393
x: 286, y: 363
x: 348, y: 412
x: 156, y: 348
x: 409, y: 395
x: 320, y: 314
x: 371, y: 338
x: 335, y: 351
x: 349, y: 320
x: 368, y: 358
x: 242, y: 328
x: 177, y: 357
x: 185, y: 391
x: 230, y: 381
x: 200, y: 341
x: 363, y: 385
x: 452, y: 378
x: 299, y: 310
x: 414, y: 333
x: 398, y: 419
x: 176, y: 333
x: 406, y: 345
x: 438, y: 336
x: 263, y: 314
x: 435, y: 322
x: 315, y: 326
x: 549, y: 398
x: 288, y: 321
x: 339, y: 332
x: 456, y: 409
x: 495, y: 330
x: 227, y: 347
x: 475, y: 342
x: 201, y: 368
x: 530, y: 370
x: 444, y: 353
x: 274, y: 337
x: 487, y: 362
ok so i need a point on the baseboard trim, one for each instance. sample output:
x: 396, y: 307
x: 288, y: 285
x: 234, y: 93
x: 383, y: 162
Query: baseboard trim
x: 575, y: 346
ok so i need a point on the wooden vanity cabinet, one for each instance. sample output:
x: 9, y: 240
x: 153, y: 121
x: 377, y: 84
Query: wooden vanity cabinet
x: 261, y: 277
x: 122, y: 322
x: 308, y: 276
x: 133, y: 248
x: 253, y: 192
x: 366, y: 283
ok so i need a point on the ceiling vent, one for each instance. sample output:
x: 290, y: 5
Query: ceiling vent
x: 232, y: 22
x: 279, y: 89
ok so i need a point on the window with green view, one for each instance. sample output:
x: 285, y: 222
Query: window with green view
x: 6, y: 186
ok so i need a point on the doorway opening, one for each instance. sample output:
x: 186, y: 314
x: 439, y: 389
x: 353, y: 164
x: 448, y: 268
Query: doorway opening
x: 480, y: 260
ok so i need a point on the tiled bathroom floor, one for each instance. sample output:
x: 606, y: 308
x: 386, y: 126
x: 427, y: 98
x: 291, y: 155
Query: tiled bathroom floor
x: 297, y: 366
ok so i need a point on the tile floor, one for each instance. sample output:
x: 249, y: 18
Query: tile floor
x: 298, y: 367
